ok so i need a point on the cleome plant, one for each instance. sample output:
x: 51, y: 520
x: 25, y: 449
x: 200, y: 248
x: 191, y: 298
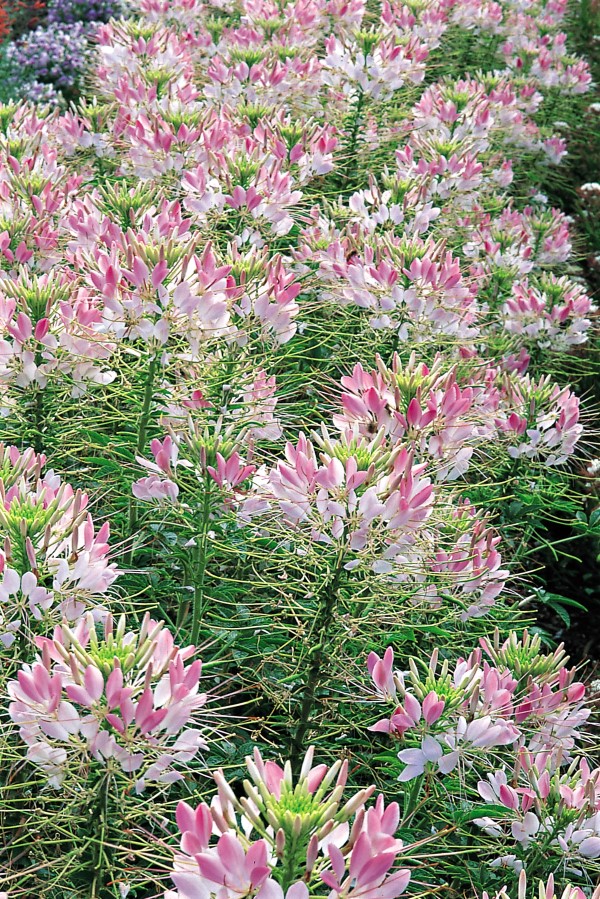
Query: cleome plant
x: 298, y: 378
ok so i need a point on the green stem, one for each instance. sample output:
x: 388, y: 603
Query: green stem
x: 394, y: 349
x: 38, y: 421
x: 140, y: 444
x: 146, y: 405
x: 289, y: 872
x: 198, y: 606
x: 38, y: 411
x: 410, y: 797
x: 354, y: 135
x: 100, y: 823
x: 324, y: 617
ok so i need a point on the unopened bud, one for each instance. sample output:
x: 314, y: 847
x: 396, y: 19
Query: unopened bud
x: 253, y: 794
x: 356, y: 827
x: 250, y: 813
x: 329, y: 811
x: 355, y: 803
x: 329, y: 777
x: 29, y: 549
x: 326, y: 829
x: 46, y: 660
x: 272, y: 818
x: 280, y: 844
x: 307, y: 762
x: 120, y: 628
x: 287, y: 774
x: 225, y: 790
x: 220, y: 821
x: 258, y: 781
x: 144, y: 628
x: 312, y: 853
x: 75, y: 671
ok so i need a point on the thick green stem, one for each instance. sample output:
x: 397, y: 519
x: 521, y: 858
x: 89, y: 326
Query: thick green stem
x: 100, y: 858
x: 38, y: 420
x: 146, y: 405
x: 394, y: 349
x: 289, y: 873
x: 140, y: 444
x: 38, y: 412
x: 198, y: 606
x: 351, y: 159
x: 410, y: 800
x: 324, y: 617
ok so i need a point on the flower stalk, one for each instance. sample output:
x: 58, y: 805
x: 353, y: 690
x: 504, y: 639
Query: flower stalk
x: 198, y: 605
x: 140, y: 443
x: 328, y: 600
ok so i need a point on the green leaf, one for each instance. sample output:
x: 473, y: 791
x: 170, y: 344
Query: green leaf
x: 462, y: 816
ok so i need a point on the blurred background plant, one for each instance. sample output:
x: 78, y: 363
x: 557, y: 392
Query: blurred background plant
x: 44, y: 47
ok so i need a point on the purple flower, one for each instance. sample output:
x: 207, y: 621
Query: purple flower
x: 68, y: 12
x: 54, y: 56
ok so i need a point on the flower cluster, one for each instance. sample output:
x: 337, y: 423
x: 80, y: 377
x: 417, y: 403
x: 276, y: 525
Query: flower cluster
x: 447, y: 420
x: 71, y: 11
x: 384, y: 251
x: 558, y: 808
x: 545, y: 890
x: 525, y: 701
x: 53, y: 563
x: 377, y: 511
x: 206, y: 439
x: 126, y: 696
x: 550, y: 313
x: 52, y: 331
x: 510, y: 729
x: 284, y: 836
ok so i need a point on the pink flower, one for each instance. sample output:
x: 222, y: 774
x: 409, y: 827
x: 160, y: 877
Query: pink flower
x: 230, y: 473
x: 368, y: 873
x: 132, y: 704
x: 381, y: 670
x: 271, y: 890
x: 236, y: 871
x: 54, y: 543
x: 154, y: 487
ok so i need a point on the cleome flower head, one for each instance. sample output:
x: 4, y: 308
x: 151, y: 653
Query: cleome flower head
x: 121, y: 698
x: 288, y: 836
x: 544, y: 891
x: 526, y: 702
x: 541, y: 802
x: 53, y: 562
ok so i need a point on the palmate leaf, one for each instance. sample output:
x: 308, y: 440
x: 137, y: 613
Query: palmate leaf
x: 489, y: 810
x: 559, y: 604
